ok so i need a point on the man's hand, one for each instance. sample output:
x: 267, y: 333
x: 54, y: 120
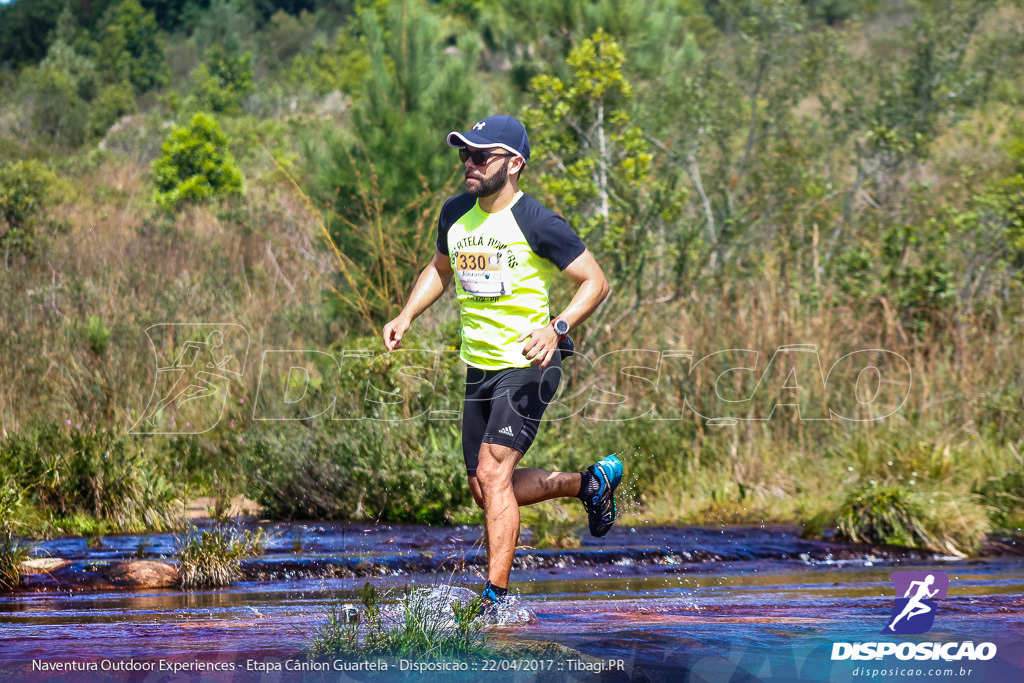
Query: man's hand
x: 429, y: 287
x: 394, y: 331
x: 542, y: 347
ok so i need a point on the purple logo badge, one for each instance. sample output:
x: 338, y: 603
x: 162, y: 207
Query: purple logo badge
x: 916, y: 593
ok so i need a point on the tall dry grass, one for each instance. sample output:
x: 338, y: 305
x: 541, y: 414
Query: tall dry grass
x: 257, y: 266
x: 262, y: 264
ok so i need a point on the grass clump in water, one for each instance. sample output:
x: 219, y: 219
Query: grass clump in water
x: 420, y: 627
x: 211, y: 558
x: 12, y: 551
x: 893, y: 515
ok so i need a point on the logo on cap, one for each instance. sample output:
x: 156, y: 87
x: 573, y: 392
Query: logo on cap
x: 479, y: 125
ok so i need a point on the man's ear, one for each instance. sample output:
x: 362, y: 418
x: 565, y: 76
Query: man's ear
x: 516, y: 164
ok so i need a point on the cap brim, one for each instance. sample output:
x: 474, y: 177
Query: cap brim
x: 468, y: 139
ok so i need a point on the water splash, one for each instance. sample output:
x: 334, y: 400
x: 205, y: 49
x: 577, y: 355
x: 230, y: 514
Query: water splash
x: 436, y: 605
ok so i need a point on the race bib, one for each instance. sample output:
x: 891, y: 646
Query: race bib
x: 483, y: 273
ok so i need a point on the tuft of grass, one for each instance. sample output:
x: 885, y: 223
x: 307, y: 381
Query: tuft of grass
x: 894, y: 515
x: 12, y: 551
x: 418, y: 629
x: 1005, y: 496
x: 889, y: 515
x: 211, y: 558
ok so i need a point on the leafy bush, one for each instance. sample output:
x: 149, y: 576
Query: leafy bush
x: 223, y: 81
x: 96, y: 334
x: 554, y: 524
x: 382, y: 458
x: 12, y: 553
x: 196, y: 164
x: 113, y: 102
x: 57, y: 94
x: 27, y: 188
x: 132, y: 45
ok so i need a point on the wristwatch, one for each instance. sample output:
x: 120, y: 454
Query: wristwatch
x: 561, y: 327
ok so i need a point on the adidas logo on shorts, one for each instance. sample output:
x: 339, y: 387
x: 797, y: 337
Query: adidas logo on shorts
x: 506, y: 430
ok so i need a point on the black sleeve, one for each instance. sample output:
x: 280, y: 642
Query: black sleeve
x: 453, y: 209
x: 549, y: 235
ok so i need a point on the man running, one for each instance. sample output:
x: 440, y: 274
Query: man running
x: 504, y: 248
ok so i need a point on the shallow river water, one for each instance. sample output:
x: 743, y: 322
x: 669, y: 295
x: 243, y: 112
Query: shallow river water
x: 641, y: 604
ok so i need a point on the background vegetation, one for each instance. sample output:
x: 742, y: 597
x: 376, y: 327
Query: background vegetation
x: 753, y: 174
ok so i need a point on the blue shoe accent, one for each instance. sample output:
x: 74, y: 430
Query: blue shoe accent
x: 490, y: 603
x: 489, y: 597
x: 612, y: 468
x: 601, y: 511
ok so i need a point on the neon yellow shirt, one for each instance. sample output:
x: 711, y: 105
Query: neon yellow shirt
x: 503, y: 264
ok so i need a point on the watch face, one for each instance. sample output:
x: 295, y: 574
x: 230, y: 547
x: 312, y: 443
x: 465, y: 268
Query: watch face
x: 561, y: 327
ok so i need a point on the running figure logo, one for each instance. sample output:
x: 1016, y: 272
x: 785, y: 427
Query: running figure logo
x: 914, y: 612
x: 195, y: 364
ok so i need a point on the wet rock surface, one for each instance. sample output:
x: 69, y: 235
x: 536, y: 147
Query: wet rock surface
x: 341, y: 551
x: 649, y: 603
x: 60, y: 575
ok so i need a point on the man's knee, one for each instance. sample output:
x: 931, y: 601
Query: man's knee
x: 495, y: 466
x: 491, y: 475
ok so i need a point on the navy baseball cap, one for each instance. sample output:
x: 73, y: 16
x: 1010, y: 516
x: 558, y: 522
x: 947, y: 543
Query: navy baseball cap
x: 499, y: 130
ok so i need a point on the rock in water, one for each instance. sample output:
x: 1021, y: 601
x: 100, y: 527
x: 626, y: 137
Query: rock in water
x: 141, y: 574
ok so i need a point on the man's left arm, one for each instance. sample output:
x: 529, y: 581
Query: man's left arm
x: 592, y: 289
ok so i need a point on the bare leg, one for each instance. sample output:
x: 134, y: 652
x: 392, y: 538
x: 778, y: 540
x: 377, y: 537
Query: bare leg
x: 501, y: 510
x: 533, y: 486
x: 500, y: 489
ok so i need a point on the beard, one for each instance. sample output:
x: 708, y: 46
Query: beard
x: 488, y: 186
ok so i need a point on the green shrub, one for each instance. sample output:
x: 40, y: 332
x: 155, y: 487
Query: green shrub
x: 223, y: 81
x: 95, y: 333
x: 57, y: 94
x: 1004, y: 496
x: 113, y: 102
x: 27, y: 189
x: 195, y: 165
x: 554, y: 524
x: 890, y: 515
x: 362, y: 469
x: 382, y: 458
x: 132, y: 47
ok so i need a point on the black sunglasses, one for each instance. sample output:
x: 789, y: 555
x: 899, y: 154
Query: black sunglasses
x: 479, y: 156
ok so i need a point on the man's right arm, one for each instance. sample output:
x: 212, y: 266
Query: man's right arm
x: 428, y: 288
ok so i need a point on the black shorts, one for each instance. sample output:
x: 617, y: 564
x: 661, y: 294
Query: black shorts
x: 504, y: 407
